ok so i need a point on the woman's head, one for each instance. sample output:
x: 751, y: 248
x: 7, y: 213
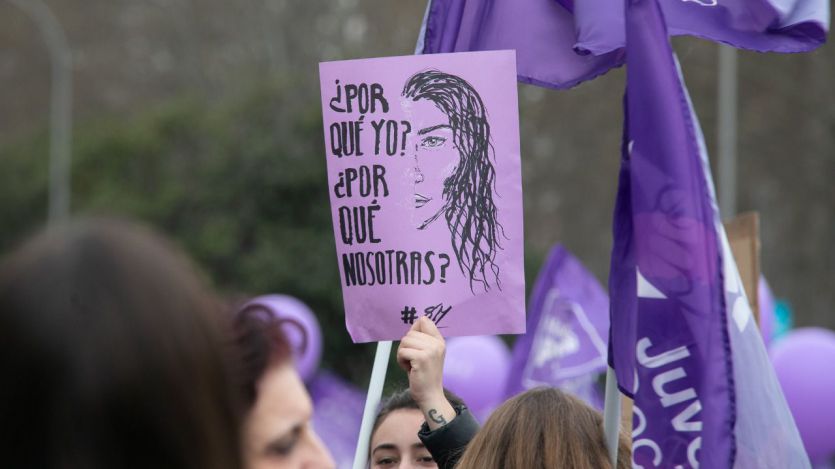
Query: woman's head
x: 394, y: 441
x: 116, y: 348
x: 542, y: 428
x: 277, y: 432
x: 454, y: 174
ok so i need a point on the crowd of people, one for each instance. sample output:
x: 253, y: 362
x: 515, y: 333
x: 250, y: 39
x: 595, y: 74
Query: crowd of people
x: 115, y: 353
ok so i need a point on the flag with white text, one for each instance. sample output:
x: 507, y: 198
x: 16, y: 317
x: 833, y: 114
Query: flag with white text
x: 565, y: 343
x: 682, y: 341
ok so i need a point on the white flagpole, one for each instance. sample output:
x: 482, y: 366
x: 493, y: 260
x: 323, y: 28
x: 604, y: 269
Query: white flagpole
x: 372, y: 400
x: 422, y: 33
x: 611, y: 416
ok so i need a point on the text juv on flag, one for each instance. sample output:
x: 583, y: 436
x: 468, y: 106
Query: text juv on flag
x: 682, y: 339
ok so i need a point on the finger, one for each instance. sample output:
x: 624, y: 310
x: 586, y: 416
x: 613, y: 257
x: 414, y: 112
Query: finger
x: 405, y: 356
x: 429, y: 327
x: 419, y: 340
x: 424, y: 336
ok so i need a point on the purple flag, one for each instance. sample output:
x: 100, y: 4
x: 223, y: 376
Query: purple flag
x: 541, y: 32
x: 560, y: 44
x: 681, y: 342
x: 337, y: 415
x: 565, y: 345
x: 760, y: 25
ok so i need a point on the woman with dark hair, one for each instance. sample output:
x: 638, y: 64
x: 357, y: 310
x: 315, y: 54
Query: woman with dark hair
x: 111, y: 355
x: 277, y: 431
x: 454, y: 175
x: 425, y: 425
x: 543, y: 428
x: 401, y: 439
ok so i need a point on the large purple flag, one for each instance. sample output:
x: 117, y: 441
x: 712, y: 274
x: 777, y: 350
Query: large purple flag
x: 760, y: 25
x: 561, y: 43
x: 680, y: 340
x: 541, y: 32
x: 565, y: 343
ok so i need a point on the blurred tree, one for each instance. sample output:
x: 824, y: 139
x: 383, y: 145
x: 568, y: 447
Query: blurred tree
x: 238, y: 184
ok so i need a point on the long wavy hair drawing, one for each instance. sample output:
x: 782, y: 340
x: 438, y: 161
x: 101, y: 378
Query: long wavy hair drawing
x: 469, y: 209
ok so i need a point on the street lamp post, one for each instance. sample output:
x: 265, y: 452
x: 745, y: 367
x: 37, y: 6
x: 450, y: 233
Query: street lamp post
x: 726, y: 130
x: 60, y: 106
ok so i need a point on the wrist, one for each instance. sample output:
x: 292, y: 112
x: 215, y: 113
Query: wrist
x: 429, y: 399
x: 437, y: 412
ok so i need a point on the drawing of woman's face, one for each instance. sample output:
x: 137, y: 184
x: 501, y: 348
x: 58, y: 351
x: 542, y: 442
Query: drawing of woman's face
x: 436, y: 158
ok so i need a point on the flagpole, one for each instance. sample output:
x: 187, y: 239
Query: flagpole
x: 372, y: 401
x: 611, y: 415
x: 726, y: 129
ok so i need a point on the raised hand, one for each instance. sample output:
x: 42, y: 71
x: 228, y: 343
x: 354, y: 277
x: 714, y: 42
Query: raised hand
x: 421, y: 355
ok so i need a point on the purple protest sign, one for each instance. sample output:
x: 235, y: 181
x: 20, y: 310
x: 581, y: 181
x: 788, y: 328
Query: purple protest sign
x: 426, y: 195
x: 568, y: 318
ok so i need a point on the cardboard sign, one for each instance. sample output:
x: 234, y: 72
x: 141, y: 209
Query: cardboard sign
x: 426, y: 193
x: 744, y: 237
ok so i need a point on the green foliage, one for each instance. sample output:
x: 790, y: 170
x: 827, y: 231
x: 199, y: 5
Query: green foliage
x: 240, y: 185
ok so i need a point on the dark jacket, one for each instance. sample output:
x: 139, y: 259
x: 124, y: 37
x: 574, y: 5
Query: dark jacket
x: 447, y: 444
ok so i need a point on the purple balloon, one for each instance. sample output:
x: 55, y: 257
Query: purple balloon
x: 300, y: 326
x: 767, y: 310
x: 805, y: 364
x: 476, y: 368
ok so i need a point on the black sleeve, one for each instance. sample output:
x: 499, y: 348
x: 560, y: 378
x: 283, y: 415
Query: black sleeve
x: 447, y: 444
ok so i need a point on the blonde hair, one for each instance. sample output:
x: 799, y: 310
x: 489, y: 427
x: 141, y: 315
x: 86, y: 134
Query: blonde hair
x: 543, y: 428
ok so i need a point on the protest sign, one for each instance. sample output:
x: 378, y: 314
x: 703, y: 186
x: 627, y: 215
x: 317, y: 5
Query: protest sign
x: 743, y: 233
x: 425, y: 187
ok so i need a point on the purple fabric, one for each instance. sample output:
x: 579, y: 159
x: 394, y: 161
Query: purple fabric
x: 541, y: 32
x: 683, y: 341
x: 567, y: 4
x: 668, y: 342
x: 560, y: 44
x: 337, y: 415
x: 565, y: 344
x: 760, y: 25
x: 766, y: 433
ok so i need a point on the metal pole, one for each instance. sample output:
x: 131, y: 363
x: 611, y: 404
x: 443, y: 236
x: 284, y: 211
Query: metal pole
x: 372, y: 400
x: 726, y: 129
x: 60, y: 106
x: 611, y: 416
